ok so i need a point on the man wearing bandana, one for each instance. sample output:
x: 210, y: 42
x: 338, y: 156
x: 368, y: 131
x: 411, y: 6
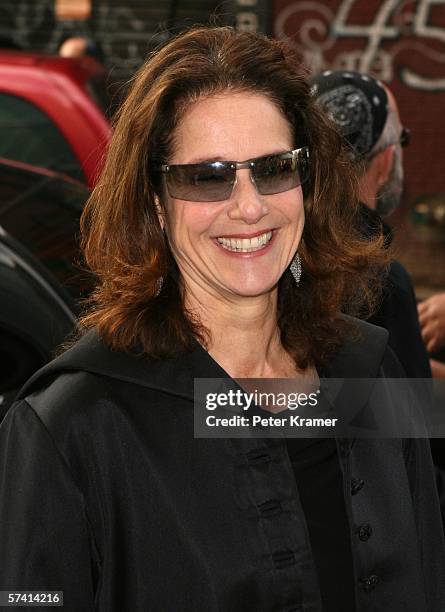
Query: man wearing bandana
x: 366, y: 113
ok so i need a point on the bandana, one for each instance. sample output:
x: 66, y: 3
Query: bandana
x: 358, y: 105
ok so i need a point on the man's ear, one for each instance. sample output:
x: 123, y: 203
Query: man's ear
x: 384, y: 163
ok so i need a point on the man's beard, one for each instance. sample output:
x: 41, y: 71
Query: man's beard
x: 389, y: 196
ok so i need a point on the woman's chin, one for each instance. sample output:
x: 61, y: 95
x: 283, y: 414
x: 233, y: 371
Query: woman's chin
x: 252, y: 289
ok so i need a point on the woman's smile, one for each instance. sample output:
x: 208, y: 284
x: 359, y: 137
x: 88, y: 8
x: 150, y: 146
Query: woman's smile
x: 242, y: 245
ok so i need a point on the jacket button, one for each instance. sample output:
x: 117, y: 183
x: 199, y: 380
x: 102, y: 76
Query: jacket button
x: 283, y: 558
x: 370, y: 583
x: 258, y: 456
x: 364, y: 532
x: 356, y: 485
x: 270, y: 508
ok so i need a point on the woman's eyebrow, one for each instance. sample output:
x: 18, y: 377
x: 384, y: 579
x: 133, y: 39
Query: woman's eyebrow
x: 206, y: 160
x: 219, y: 158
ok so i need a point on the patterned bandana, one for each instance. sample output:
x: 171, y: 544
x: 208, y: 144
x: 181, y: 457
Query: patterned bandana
x: 357, y: 103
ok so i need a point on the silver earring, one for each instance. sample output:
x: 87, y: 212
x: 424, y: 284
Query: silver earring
x: 295, y: 268
x: 159, y: 284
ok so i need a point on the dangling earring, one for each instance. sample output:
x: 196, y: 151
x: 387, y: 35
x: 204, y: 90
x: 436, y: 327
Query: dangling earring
x: 295, y: 268
x: 160, y: 280
x: 159, y: 284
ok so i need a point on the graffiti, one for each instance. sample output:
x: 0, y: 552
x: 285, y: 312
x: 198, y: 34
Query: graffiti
x: 424, y: 29
x: 395, y: 32
x: 397, y: 26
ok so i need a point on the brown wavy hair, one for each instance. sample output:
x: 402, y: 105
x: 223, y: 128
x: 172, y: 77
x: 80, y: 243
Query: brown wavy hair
x: 123, y: 242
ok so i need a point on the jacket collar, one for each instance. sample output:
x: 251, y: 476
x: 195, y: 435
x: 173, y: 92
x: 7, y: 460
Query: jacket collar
x: 360, y: 358
x: 174, y: 376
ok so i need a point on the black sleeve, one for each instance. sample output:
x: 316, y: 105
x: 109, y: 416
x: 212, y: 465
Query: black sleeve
x: 425, y: 496
x: 423, y: 391
x: 418, y: 391
x: 398, y: 314
x: 427, y: 514
x: 437, y: 451
x: 45, y: 541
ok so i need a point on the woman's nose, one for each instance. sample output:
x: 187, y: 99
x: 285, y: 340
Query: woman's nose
x: 247, y: 203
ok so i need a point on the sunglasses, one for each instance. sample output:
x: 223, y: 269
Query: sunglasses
x: 214, y: 181
x: 405, y: 137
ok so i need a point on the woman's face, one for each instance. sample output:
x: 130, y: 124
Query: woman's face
x: 233, y: 127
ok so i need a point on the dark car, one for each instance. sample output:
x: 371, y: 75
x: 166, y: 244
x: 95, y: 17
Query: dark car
x: 41, y: 277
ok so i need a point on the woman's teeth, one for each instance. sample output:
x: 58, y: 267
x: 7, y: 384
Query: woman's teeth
x: 245, y: 245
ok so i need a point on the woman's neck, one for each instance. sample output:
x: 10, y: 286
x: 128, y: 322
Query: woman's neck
x: 244, y: 335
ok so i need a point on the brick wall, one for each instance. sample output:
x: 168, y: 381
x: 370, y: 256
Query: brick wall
x: 402, y: 42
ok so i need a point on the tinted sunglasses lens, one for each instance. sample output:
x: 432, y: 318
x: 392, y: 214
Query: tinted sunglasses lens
x: 279, y: 173
x: 201, y: 182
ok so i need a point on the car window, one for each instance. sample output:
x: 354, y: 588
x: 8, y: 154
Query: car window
x: 27, y: 134
x: 42, y: 212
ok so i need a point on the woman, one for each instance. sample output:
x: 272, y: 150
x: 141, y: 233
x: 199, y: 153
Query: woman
x: 214, y: 263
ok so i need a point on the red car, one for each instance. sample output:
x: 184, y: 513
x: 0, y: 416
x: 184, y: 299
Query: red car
x: 52, y: 113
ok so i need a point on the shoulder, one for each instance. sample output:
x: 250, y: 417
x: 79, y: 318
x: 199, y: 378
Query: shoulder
x: 88, y: 354
x: 71, y: 409
x: 90, y: 384
x: 90, y: 367
x: 363, y: 353
x: 399, y: 278
x: 72, y: 382
x: 66, y: 395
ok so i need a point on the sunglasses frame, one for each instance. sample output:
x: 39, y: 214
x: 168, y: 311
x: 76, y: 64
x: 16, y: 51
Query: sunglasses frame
x: 403, y: 141
x: 234, y: 166
x: 405, y: 137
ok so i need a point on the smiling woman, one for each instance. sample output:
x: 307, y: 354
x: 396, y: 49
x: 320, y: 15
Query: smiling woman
x: 199, y: 108
x: 220, y: 234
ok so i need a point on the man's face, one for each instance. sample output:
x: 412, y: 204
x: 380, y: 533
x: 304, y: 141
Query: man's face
x: 390, y: 194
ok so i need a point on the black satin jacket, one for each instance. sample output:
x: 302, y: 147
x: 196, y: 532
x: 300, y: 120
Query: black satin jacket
x: 106, y: 495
